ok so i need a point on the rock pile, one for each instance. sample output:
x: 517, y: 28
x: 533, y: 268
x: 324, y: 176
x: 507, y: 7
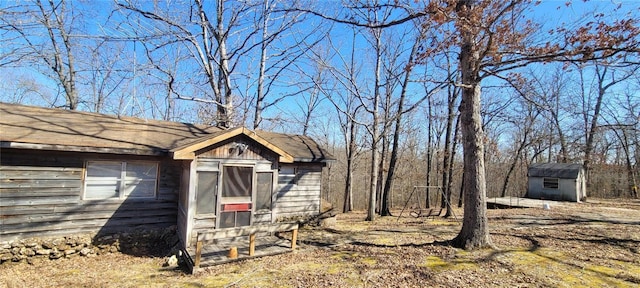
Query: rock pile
x: 157, y: 242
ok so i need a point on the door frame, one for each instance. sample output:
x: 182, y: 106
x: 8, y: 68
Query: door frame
x: 219, y: 205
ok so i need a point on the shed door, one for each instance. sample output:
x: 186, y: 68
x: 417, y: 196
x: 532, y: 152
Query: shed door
x: 235, y: 199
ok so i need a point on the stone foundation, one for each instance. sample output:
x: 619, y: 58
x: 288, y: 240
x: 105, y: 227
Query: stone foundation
x: 157, y: 242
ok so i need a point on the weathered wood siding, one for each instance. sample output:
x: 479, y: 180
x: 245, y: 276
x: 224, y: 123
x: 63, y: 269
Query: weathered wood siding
x: 213, y: 158
x: 298, y: 190
x: 229, y: 150
x: 183, y: 203
x: 41, y: 195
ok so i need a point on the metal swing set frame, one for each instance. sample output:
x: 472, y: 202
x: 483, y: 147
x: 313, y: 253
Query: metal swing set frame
x: 430, y: 212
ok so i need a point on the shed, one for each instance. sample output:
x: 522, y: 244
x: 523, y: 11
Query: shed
x: 557, y: 181
x: 64, y: 172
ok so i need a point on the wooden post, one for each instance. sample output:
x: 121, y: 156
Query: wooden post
x: 252, y: 244
x: 196, y: 263
x: 233, y: 252
x: 294, y: 238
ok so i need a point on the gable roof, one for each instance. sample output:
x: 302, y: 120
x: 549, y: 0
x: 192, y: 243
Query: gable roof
x: 40, y: 128
x: 188, y: 151
x: 302, y: 148
x: 555, y: 170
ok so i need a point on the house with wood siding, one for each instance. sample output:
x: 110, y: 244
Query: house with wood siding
x: 65, y: 172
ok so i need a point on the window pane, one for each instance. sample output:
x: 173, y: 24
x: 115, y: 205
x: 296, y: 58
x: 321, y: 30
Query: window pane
x: 206, y: 192
x: 102, y: 189
x: 286, y: 175
x: 142, y: 170
x: 140, y: 188
x: 264, y: 190
x: 104, y: 169
x: 551, y: 183
x: 243, y: 218
x: 103, y: 180
x: 227, y: 219
x: 237, y: 181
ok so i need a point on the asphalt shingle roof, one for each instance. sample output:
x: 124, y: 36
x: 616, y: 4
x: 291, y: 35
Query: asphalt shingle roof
x: 58, y: 129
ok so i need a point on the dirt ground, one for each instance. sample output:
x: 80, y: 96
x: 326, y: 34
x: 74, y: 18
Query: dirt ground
x: 593, y: 244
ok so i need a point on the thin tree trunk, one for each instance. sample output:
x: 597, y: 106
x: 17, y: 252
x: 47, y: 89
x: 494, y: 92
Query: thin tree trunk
x: 257, y: 118
x: 383, y: 156
x: 452, y: 95
x: 385, y: 211
x: 594, y: 123
x: 64, y: 69
x: 451, y: 164
x: 461, y: 196
x: 429, y: 156
x: 348, y: 190
x: 512, y: 167
x: 225, y: 110
x: 371, y: 215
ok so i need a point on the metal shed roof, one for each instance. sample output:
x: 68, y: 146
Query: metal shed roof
x: 555, y: 170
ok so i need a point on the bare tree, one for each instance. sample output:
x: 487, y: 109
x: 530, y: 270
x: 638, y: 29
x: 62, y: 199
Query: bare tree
x: 281, y: 47
x: 606, y: 78
x: 39, y: 33
x: 344, y: 93
x: 491, y: 42
x: 448, y: 153
x: 393, y: 160
x: 524, y: 118
x: 205, y: 35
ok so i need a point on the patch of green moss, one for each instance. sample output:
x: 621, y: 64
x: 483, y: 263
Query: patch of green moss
x: 335, y: 269
x: 344, y: 255
x: 435, y: 262
x: 369, y: 261
x: 438, y: 264
x: 439, y: 222
x: 552, y: 265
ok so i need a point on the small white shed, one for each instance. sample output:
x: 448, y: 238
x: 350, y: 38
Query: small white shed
x: 557, y: 181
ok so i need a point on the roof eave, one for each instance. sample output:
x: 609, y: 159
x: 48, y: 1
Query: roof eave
x: 314, y: 160
x: 86, y: 149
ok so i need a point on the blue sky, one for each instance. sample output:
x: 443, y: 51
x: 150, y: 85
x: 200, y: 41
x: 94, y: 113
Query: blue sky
x: 552, y: 13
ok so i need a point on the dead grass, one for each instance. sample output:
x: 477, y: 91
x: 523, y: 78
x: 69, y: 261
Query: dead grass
x: 595, y: 244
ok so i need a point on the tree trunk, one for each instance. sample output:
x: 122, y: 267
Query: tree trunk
x: 257, y: 118
x: 512, y: 167
x: 225, y: 110
x: 351, y: 150
x: 396, y: 135
x: 631, y: 175
x: 451, y: 163
x: 375, y: 137
x: 64, y: 69
x: 379, y: 185
x: 452, y: 96
x: 475, y: 229
x: 429, y: 157
x: 461, y: 196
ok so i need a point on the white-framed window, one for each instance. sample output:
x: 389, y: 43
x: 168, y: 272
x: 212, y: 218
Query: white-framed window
x: 550, y: 183
x: 287, y: 175
x: 120, y: 179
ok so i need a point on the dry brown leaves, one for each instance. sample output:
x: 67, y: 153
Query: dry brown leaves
x: 594, y: 244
